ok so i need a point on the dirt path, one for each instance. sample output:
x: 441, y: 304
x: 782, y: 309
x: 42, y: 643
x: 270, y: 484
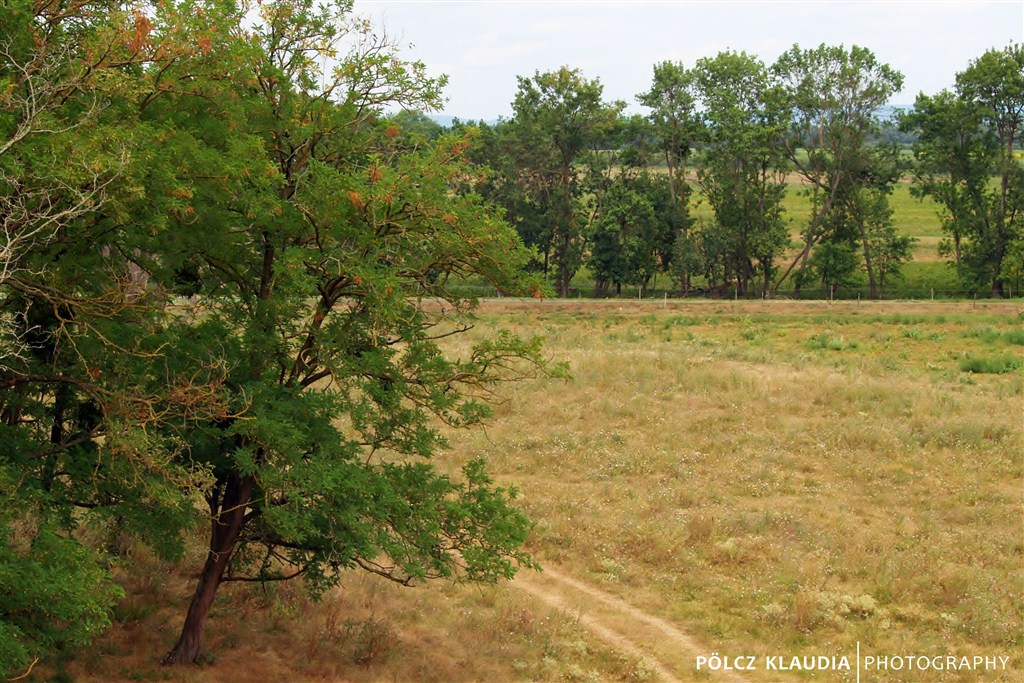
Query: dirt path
x: 667, y: 651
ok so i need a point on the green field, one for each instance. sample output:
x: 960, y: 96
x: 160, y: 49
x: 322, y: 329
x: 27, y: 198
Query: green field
x: 917, y: 218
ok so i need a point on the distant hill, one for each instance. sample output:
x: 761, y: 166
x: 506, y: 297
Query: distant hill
x: 890, y: 111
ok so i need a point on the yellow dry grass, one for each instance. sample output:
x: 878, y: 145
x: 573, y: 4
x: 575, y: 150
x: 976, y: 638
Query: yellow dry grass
x: 781, y: 477
x: 771, y: 478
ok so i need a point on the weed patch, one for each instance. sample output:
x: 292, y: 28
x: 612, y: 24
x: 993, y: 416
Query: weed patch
x: 991, y: 365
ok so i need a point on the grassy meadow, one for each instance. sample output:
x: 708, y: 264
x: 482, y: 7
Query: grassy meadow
x: 926, y: 273
x: 771, y: 478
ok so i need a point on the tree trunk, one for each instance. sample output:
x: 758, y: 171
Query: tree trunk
x: 997, y: 288
x: 60, y: 405
x: 997, y: 270
x: 224, y: 531
x: 809, y: 240
x: 817, y: 220
x: 799, y: 280
x: 872, y: 285
x: 671, y: 181
x: 564, y: 276
x: 190, y: 642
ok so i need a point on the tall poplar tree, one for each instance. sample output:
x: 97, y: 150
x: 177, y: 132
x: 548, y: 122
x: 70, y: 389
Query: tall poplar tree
x: 742, y: 169
x: 672, y: 102
x: 833, y: 95
x: 560, y: 115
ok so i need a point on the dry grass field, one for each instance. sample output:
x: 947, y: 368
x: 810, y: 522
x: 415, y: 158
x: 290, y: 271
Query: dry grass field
x: 743, y: 478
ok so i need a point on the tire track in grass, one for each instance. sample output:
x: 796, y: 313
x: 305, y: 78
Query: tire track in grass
x: 663, y: 647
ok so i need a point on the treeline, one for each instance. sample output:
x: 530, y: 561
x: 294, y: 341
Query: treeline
x: 586, y: 185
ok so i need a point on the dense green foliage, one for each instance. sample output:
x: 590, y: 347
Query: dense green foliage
x: 291, y: 403
x: 674, y: 124
x: 68, y: 167
x: 966, y: 139
x: 559, y: 119
x: 742, y: 173
x: 736, y: 135
x: 834, y: 94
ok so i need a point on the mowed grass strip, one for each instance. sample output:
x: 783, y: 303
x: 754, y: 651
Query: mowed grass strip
x: 782, y: 479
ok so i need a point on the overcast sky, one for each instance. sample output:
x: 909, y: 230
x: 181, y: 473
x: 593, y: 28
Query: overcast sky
x: 482, y: 45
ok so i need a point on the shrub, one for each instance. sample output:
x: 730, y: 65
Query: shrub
x: 991, y: 366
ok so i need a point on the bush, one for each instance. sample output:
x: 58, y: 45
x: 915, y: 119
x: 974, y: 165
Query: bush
x: 991, y: 366
x: 53, y: 596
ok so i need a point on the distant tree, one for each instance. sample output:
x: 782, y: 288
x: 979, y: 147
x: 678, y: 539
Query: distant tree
x: 558, y: 118
x: 742, y: 166
x: 863, y: 218
x: 630, y: 220
x: 995, y: 81
x: 1013, y: 267
x: 833, y: 94
x: 965, y: 139
x: 514, y: 184
x: 687, y: 259
x: 954, y: 162
x: 890, y: 132
x: 624, y: 236
x: 716, y: 248
x: 890, y: 251
x: 834, y: 264
x: 672, y: 103
x: 417, y: 125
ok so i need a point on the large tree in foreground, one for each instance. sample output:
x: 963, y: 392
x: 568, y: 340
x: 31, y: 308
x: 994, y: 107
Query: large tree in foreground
x: 73, y: 328
x: 324, y: 252
x: 293, y: 403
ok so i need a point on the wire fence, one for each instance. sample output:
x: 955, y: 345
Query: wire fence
x: 807, y: 293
